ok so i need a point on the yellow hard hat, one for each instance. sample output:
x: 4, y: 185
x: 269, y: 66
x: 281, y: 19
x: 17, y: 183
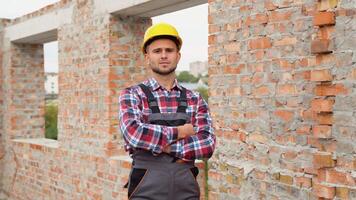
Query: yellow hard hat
x: 161, y: 30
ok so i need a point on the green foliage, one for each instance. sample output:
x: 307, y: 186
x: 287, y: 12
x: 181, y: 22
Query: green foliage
x: 187, y: 77
x: 203, y: 92
x: 51, y: 121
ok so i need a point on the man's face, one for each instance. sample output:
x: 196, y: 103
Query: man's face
x: 162, y: 56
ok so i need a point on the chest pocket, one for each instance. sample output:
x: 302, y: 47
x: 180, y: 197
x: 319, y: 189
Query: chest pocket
x: 167, y: 119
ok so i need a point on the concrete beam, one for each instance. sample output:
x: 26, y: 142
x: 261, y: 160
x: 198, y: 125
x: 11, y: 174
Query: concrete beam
x: 39, y: 30
x: 145, y: 8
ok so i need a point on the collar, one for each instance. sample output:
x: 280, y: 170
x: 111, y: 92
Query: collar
x: 153, y: 83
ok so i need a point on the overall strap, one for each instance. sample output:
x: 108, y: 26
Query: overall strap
x: 151, y: 99
x: 182, y: 101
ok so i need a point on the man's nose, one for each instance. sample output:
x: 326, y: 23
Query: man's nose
x: 164, y: 54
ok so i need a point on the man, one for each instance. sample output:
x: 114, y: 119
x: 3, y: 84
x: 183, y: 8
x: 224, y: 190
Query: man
x: 165, y: 126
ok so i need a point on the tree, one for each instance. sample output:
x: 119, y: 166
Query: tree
x: 187, y: 77
x: 203, y: 92
x: 51, y: 121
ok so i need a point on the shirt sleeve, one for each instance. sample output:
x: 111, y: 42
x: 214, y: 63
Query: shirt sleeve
x: 138, y: 134
x: 202, y: 144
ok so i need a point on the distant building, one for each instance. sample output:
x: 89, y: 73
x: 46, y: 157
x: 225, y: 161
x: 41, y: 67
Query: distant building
x: 51, y: 85
x: 198, y: 67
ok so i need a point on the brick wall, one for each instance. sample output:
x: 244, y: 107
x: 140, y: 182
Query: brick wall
x: 23, y: 85
x: 99, y: 54
x: 2, y: 148
x: 285, y: 112
x: 282, y: 96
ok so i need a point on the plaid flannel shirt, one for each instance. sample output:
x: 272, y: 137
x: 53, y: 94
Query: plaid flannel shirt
x: 138, y: 134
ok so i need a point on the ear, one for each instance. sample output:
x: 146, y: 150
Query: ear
x: 178, y: 57
x: 147, y: 60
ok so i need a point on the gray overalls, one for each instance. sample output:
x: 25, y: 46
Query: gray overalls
x: 161, y: 177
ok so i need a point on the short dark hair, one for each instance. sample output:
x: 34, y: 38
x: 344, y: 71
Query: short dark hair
x: 174, y: 39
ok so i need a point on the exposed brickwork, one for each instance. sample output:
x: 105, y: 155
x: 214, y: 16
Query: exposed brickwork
x: 2, y: 134
x: 99, y: 55
x: 282, y: 95
x: 283, y: 135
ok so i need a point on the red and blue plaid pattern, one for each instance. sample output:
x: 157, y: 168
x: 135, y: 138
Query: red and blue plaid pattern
x: 138, y: 134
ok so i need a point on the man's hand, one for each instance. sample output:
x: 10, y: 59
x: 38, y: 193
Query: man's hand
x: 185, y: 130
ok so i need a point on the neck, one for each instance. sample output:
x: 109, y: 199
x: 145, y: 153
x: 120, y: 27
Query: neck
x: 166, y: 81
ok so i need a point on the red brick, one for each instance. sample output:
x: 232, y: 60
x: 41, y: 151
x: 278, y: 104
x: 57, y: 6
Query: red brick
x: 322, y: 131
x: 259, y: 43
x: 284, y: 115
x: 323, y: 191
x: 269, y: 5
x: 321, y: 46
x: 326, y: 32
x: 304, y: 130
x: 286, y: 89
x: 324, y: 18
x: 276, y: 16
x: 322, y: 160
x: 336, y: 177
x: 321, y: 75
x: 256, y: 19
x: 330, y: 90
x: 322, y: 105
x: 262, y: 90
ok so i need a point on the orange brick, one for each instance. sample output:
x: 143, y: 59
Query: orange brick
x: 270, y: 6
x: 322, y: 131
x: 286, y: 41
x: 260, y: 43
x: 279, y: 16
x: 353, y: 74
x: 324, y: 18
x: 321, y: 75
x: 325, y: 118
x: 324, y: 191
x: 211, y: 39
x: 321, y: 160
x: 322, y: 105
x: 304, y: 130
x: 330, y: 90
x: 321, y: 46
x: 335, y: 177
x: 262, y: 90
x: 256, y: 19
x: 284, y: 115
x: 286, y: 89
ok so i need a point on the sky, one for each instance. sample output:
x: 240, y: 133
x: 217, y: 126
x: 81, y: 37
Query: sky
x: 191, y: 23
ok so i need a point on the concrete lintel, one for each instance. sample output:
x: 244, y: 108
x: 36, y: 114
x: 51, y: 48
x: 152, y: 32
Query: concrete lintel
x: 147, y: 8
x: 39, y: 30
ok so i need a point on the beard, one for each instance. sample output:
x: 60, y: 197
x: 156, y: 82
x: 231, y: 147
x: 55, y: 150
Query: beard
x: 159, y: 71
